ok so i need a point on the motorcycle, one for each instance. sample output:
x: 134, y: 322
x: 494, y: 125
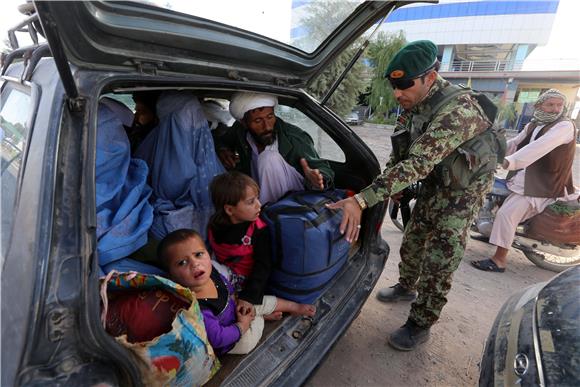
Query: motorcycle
x: 543, y: 239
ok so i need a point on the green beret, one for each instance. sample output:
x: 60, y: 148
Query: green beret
x: 413, y: 60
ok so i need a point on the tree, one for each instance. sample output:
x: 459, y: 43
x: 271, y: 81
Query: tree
x: 379, y: 53
x: 322, y: 19
x: 506, y: 113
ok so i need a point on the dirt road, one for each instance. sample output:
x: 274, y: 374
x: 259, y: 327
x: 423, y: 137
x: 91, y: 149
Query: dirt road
x: 362, y: 356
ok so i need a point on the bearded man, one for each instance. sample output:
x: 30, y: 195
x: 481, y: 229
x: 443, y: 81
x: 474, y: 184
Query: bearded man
x: 278, y: 155
x: 540, y: 173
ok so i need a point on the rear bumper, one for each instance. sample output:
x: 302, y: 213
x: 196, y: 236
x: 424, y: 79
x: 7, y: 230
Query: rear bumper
x: 291, y: 354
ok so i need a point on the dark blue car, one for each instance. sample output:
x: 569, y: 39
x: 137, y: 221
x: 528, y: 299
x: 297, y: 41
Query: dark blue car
x: 535, y: 339
x: 82, y: 51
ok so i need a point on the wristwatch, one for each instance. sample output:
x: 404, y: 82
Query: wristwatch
x: 361, y: 201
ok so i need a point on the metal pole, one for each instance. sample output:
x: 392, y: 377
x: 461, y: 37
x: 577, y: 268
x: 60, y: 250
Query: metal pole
x: 353, y: 60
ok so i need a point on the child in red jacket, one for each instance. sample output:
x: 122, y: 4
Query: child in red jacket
x: 240, y: 240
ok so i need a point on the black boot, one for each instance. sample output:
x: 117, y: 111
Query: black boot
x: 407, y: 337
x: 396, y: 293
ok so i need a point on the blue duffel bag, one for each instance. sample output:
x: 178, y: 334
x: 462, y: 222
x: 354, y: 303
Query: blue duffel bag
x: 307, y: 246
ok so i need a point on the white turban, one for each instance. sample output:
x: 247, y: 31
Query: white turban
x: 242, y: 102
x: 216, y: 114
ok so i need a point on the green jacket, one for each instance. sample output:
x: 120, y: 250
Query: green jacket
x: 457, y: 122
x: 293, y: 144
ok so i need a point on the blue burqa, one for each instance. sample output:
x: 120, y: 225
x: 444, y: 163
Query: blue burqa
x: 124, y: 214
x: 182, y: 162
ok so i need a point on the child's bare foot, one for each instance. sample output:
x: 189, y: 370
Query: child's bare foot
x: 306, y: 310
x: 274, y: 316
x: 295, y: 308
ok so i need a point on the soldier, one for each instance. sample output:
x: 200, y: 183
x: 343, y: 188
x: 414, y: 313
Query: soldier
x: 437, y: 119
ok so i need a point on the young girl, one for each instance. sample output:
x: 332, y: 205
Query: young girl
x: 241, y: 241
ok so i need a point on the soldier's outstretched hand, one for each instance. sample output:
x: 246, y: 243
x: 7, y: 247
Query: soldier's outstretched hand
x: 350, y: 225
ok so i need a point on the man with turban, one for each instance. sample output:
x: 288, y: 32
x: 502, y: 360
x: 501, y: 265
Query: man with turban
x: 278, y: 155
x: 540, y: 173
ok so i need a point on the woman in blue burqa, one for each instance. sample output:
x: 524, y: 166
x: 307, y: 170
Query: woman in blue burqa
x: 182, y: 162
x: 124, y: 214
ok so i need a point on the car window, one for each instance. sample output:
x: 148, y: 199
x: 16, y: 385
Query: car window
x: 324, y: 144
x: 14, y: 114
x: 125, y: 99
x: 302, y: 24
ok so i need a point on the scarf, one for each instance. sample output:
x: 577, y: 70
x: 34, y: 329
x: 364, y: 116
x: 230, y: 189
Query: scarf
x: 540, y: 116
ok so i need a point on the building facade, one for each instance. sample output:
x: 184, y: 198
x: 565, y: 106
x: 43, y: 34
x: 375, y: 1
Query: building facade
x: 485, y: 43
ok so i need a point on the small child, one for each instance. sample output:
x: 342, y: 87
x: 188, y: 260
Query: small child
x: 241, y: 241
x: 183, y: 255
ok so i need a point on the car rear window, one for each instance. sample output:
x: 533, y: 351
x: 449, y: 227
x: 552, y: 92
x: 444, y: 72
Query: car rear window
x: 14, y: 114
x: 325, y: 146
x: 301, y: 24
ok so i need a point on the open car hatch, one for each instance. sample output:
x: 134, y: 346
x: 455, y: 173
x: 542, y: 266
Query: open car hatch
x: 129, y: 35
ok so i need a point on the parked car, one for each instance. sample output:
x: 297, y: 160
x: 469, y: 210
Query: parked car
x: 535, y: 339
x: 353, y: 119
x: 51, y: 325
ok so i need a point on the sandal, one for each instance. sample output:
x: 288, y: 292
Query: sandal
x: 487, y: 265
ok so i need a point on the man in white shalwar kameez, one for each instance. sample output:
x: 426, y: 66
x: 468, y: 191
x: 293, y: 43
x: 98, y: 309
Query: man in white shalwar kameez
x: 280, y: 156
x: 540, y: 160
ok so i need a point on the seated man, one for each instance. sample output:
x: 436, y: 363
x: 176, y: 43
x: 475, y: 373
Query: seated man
x: 278, y: 155
x: 540, y: 164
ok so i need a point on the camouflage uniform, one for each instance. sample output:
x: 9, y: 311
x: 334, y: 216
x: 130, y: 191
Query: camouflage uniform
x: 435, y: 237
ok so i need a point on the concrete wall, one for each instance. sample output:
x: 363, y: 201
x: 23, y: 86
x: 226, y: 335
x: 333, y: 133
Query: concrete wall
x: 500, y: 87
x: 491, y: 86
x: 570, y: 91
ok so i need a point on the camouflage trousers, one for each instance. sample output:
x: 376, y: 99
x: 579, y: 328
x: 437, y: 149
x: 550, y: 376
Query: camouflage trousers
x: 434, y: 243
